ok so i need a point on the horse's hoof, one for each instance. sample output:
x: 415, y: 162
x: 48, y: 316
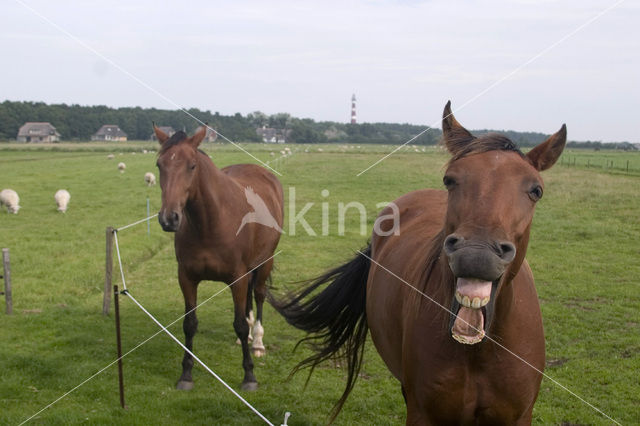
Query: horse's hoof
x: 184, y: 385
x: 250, y: 386
x: 259, y: 352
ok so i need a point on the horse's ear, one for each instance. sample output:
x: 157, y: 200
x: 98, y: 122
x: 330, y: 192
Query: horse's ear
x: 547, y: 153
x: 198, y: 136
x: 455, y: 137
x: 162, y: 136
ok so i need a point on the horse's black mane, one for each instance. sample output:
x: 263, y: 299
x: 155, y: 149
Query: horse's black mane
x: 461, y: 146
x: 175, y: 139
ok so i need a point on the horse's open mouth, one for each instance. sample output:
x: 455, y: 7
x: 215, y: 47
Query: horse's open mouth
x: 472, y: 298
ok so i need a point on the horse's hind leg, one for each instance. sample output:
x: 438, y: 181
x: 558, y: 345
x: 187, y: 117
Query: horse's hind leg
x: 189, y: 325
x: 260, y: 291
x: 241, y: 326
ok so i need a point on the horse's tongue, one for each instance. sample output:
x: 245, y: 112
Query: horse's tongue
x: 468, y: 327
x: 472, y: 289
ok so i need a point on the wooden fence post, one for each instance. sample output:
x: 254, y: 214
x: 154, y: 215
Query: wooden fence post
x: 119, y: 345
x: 106, y: 300
x: 8, y: 297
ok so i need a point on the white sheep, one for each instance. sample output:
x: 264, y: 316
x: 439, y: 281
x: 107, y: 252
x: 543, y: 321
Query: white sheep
x: 62, y: 198
x: 10, y: 199
x: 121, y: 167
x: 150, y: 178
x: 110, y: 157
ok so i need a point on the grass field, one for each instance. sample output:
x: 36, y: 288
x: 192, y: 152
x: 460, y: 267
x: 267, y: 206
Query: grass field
x: 584, y: 253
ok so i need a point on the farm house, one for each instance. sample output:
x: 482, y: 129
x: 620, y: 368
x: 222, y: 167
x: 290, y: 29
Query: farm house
x: 38, y: 132
x: 109, y: 132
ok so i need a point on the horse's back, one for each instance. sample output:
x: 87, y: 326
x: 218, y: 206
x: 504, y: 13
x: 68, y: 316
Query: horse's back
x: 265, y: 183
x: 249, y: 173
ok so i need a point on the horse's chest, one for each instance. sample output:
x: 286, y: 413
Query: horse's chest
x: 206, y: 262
x: 469, y: 391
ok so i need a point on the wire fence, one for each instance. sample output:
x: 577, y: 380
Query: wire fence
x: 112, y: 236
x: 127, y: 292
x: 620, y: 165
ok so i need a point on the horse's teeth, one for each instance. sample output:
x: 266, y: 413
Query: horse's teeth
x: 475, y: 303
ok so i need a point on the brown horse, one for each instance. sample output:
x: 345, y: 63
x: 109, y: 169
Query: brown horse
x: 227, y: 225
x: 451, y: 300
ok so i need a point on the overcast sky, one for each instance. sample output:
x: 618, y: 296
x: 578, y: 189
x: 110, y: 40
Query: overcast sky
x: 402, y: 59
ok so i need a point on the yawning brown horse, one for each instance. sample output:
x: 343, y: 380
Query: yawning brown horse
x: 227, y: 225
x: 450, y: 300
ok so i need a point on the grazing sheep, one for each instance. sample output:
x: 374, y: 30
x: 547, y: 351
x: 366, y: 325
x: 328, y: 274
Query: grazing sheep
x: 110, y: 157
x: 121, y: 167
x: 62, y: 200
x: 10, y: 199
x: 150, y: 178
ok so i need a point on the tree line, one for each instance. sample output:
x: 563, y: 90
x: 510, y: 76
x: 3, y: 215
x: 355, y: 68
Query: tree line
x: 79, y: 123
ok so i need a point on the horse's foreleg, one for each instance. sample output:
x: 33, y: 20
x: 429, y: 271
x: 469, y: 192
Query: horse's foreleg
x: 260, y: 291
x: 189, y: 326
x: 249, y: 310
x: 241, y: 326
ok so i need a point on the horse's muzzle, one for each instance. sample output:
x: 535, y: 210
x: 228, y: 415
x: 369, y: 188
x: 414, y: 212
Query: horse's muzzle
x: 477, y: 266
x: 170, y: 221
x: 478, y: 259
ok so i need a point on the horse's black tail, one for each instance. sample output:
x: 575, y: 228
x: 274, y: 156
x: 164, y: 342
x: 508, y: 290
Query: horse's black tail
x: 335, y: 318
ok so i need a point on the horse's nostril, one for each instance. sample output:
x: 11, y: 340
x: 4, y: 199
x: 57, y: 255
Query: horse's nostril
x: 174, y: 217
x: 507, y: 251
x: 452, y: 243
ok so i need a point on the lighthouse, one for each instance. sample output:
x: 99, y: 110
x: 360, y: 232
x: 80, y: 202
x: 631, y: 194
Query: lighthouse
x: 353, y: 109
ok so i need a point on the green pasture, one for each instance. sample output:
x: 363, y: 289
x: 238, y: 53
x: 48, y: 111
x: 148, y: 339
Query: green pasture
x: 584, y: 252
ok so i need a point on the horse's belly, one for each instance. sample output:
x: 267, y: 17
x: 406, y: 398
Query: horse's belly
x: 385, y: 324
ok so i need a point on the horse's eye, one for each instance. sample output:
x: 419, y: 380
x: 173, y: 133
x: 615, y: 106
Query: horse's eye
x: 449, y: 182
x: 191, y: 167
x: 535, y: 193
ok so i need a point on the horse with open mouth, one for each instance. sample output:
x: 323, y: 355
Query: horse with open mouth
x: 450, y: 302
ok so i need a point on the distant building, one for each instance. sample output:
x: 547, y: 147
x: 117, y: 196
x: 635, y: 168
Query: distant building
x: 271, y: 135
x: 168, y: 130
x: 38, y: 132
x: 109, y: 132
